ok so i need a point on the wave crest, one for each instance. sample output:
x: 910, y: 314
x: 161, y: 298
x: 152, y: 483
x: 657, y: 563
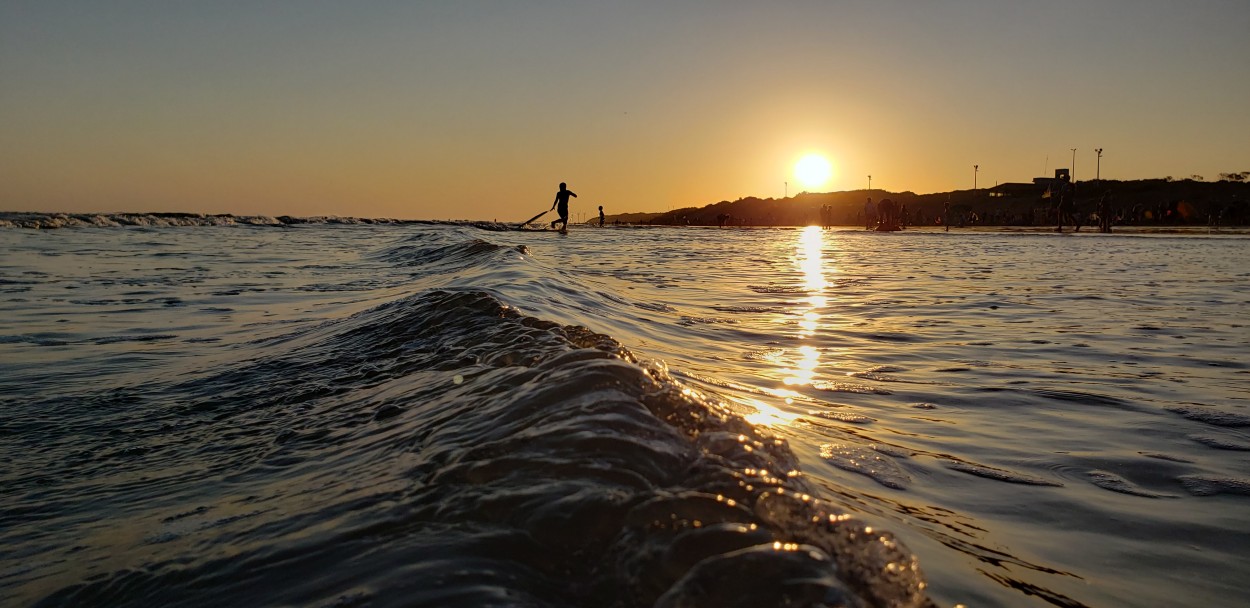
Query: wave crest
x: 444, y: 448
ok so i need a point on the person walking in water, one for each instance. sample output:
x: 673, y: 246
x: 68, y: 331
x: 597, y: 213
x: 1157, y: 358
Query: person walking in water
x: 562, y: 201
x: 1063, y: 209
x: 600, y: 215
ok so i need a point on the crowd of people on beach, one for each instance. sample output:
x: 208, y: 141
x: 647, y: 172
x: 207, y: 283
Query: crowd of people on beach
x: 885, y: 216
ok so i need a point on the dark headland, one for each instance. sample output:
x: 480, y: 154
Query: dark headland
x: 1147, y: 202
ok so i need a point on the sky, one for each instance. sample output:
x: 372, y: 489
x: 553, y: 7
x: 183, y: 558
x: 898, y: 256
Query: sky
x: 477, y: 110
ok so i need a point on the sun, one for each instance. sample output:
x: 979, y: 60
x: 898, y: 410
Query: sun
x: 813, y: 170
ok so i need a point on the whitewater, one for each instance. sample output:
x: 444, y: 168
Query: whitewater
x: 280, y: 412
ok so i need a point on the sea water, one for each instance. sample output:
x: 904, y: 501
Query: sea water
x: 430, y: 415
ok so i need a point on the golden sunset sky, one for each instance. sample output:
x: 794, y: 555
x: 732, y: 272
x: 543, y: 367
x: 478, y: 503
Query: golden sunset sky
x: 478, y: 110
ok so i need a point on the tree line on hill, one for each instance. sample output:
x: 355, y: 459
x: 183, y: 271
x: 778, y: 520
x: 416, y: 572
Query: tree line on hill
x: 1149, y: 202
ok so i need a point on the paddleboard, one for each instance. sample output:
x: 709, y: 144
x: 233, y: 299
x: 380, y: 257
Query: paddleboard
x: 527, y: 222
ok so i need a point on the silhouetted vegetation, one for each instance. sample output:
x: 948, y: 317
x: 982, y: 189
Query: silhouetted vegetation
x: 1145, y: 202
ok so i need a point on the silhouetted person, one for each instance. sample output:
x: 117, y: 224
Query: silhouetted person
x: 562, y: 201
x: 600, y: 215
x: 888, y: 214
x: 1104, y: 213
x: 946, y: 215
x: 1063, y: 209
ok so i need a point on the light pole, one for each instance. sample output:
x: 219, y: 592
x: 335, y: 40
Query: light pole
x: 1072, y: 171
x: 1098, y: 167
x: 787, y: 190
x: 869, y: 184
x: 975, y: 168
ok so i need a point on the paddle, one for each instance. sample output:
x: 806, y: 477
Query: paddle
x: 534, y: 218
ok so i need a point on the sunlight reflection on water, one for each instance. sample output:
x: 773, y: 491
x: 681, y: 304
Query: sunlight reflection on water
x: 769, y: 415
x: 968, y: 369
x: 962, y: 387
x: 809, y: 258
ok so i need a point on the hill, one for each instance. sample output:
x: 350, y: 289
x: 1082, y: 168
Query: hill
x: 1146, y: 202
x: 625, y: 218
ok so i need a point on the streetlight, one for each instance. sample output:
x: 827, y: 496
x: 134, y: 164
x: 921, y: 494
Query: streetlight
x: 975, y: 168
x: 1072, y: 171
x: 1098, y: 167
x: 787, y: 189
x: 869, y: 184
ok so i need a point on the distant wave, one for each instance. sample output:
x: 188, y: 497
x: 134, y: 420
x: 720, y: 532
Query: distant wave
x: 475, y: 251
x: 46, y: 221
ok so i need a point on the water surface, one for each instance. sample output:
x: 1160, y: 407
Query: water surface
x: 410, y: 415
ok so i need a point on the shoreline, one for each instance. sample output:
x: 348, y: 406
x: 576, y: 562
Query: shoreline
x: 54, y: 221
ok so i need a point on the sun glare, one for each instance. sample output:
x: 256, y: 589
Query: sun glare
x: 813, y: 170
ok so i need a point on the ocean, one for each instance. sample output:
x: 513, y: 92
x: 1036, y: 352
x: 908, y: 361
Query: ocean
x: 461, y: 415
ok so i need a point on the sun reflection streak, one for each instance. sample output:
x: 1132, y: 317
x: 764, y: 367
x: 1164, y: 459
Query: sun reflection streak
x: 810, y: 256
x: 768, y: 415
x: 800, y: 366
x: 805, y: 367
x: 811, y: 242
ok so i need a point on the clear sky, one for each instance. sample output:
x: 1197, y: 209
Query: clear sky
x: 469, y: 109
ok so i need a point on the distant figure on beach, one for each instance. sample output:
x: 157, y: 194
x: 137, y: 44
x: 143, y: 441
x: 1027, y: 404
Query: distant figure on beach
x: 1063, y: 209
x: 600, y: 215
x: 870, y: 215
x: 722, y: 219
x: 888, y: 216
x: 1104, y: 212
x: 562, y: 201
x: 946, y: 215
